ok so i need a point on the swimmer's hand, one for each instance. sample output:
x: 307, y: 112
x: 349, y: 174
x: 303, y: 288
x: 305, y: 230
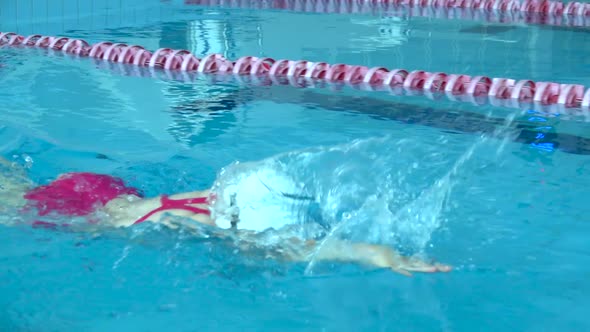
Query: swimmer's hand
x: 385, y: 257
x: 375, y: 255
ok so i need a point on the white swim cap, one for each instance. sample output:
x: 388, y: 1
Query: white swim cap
x: 259, y: 196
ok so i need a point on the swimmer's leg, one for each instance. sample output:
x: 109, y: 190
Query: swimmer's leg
x: 14, y: 183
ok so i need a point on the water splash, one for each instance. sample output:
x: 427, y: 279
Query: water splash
x: 364, y: 184
x: 409, y: 225
x: 380, y: 190
x: 412, y: 226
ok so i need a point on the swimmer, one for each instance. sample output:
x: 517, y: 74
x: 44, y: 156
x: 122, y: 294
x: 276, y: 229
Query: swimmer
x: 91, y: 195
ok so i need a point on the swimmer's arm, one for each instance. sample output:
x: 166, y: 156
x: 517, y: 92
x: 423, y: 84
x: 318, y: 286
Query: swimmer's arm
x: 370, y: 254
x: 344, y: 251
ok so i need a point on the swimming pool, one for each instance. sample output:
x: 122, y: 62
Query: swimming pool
x: 500, y: 192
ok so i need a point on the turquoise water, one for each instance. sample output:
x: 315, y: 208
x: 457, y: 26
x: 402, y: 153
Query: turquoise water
x: 499, y: 193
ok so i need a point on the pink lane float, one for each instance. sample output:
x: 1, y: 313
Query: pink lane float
x: 296, y: 73
x: 504, y: 11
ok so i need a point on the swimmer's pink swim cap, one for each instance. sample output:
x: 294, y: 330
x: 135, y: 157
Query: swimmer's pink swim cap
x: 77, y: 194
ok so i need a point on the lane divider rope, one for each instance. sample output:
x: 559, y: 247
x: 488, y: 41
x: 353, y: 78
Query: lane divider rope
x: 497, y: 11
x: 302, y: 72
x: 193, y: 77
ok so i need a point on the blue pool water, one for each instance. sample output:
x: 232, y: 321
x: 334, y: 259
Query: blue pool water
x: 498, y: 193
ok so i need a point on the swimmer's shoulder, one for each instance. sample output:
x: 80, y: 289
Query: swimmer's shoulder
x: 191, y: 194
x: 123, y: 211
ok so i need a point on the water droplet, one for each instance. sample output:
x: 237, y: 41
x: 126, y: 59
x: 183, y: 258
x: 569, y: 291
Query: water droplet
x: 28, y: 161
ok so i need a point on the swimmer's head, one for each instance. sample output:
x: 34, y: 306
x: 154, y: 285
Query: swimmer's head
x: 258, y: 195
